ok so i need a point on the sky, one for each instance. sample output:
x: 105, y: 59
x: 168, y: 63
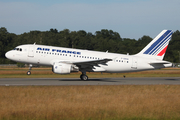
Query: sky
x: 130, y: 18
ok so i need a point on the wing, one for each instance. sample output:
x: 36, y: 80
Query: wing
x: 88, y: 66
x: 92, y: 65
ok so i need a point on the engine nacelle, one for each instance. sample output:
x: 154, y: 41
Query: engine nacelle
x: 61, y: 68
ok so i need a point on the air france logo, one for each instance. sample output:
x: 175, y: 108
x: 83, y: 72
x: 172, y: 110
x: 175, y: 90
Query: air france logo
x: 58, y: 50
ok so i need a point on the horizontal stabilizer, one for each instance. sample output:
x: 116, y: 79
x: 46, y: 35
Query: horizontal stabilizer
x: 160, y: 62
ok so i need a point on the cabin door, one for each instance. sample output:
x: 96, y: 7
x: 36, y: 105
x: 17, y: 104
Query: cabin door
x: 134, y: 63
x: 31, y: 52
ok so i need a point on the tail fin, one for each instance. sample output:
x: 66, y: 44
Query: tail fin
x: 157, y: 47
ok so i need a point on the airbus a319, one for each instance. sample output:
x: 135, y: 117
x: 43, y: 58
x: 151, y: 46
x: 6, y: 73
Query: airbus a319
x: 67, y: 60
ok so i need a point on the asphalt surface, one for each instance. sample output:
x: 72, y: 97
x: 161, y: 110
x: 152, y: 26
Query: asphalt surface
x: 92, y: 81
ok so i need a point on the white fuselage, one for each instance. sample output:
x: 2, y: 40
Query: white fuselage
x: 48, y: 55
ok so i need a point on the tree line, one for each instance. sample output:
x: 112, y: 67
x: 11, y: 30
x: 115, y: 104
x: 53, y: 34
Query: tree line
x: 100, y: 41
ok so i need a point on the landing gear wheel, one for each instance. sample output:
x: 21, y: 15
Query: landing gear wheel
x: 84, y: 77
x: 28, y: 72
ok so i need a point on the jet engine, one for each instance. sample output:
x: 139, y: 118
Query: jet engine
x: 61, y: 68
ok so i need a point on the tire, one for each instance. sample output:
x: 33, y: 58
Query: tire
x: 28, y: 72
x: 84, y: 77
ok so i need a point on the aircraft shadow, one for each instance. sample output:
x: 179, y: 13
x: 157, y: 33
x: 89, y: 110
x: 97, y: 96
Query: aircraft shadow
x: 173, y: 79
x: 94, y: 79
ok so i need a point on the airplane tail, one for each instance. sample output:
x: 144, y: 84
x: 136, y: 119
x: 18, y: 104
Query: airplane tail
x: 157, y: 47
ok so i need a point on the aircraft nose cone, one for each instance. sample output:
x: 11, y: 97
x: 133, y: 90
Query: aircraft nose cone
x: 8, y: 55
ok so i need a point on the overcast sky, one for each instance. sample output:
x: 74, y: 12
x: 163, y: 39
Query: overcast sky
x: 130, y: 18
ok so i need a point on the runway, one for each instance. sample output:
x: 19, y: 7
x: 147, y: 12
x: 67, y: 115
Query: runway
x: 92, y: 81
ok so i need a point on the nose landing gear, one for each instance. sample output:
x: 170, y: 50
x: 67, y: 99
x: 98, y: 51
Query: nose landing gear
x: 29, y: 72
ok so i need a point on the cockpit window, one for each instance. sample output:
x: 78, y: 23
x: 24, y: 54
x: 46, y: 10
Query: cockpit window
x: 18, y: 49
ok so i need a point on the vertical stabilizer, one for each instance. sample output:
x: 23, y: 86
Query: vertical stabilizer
x: 157, y: 47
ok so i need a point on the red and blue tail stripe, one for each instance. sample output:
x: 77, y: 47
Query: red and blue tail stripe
x: 158, y: 48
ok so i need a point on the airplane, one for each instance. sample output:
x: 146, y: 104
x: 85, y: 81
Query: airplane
x: 66, y: 60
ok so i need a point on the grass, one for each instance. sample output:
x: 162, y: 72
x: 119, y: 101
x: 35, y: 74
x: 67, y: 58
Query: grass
x: 127, y: 102
x: 47, y: 73
x: 90, y: 102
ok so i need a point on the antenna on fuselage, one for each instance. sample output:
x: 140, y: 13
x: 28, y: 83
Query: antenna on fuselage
x: 34, y: 43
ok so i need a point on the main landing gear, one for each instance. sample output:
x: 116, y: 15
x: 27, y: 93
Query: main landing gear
x: 83, y: 76
x: 29, y: 72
